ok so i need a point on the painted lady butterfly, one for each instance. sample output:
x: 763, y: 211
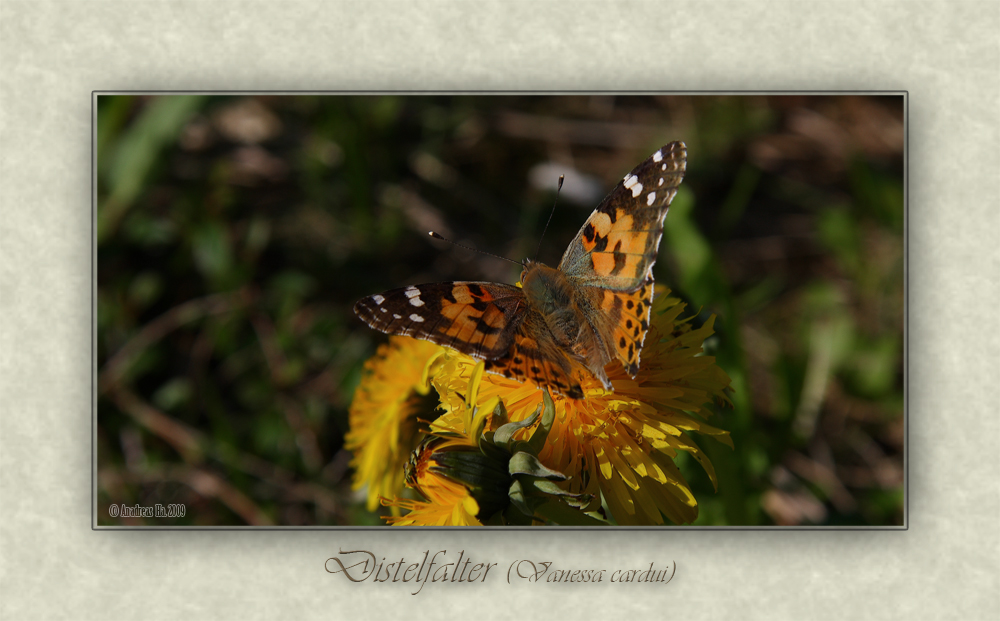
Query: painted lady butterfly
x: 561, y: 322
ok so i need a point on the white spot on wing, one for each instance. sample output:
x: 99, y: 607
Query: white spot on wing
x: 636, y: 189
x: 661, y: 181
x: 412, y: 292
x: 416, y: 301
x: 397, y: 316
x: 657, y: 156
x: 651, y: 198
x: 631, y: 180
x: 378, y: 299
x: 383, y: 310
x: 664, y: 167
x: 417, y: 318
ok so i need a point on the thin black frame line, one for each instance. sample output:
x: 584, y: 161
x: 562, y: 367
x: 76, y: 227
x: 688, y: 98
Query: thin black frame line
x: 93, y: 311
x: 538, y: 93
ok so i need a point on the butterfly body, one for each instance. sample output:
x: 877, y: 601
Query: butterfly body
x: 561, y: 323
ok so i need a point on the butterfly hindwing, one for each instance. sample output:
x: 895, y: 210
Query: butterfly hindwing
x: 630, y: 331
x: 535, y: 357
x: 622, y: 320
x: 475, y: 318
x: 617, y: 245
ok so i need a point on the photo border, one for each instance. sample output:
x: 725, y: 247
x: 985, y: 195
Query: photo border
x: 944, y: 54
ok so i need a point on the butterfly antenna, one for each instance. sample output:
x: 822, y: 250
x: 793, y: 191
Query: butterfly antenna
x: 551, y: 213
x: 495, y: 256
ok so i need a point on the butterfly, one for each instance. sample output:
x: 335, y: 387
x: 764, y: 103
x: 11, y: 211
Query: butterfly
x: 563, y: 322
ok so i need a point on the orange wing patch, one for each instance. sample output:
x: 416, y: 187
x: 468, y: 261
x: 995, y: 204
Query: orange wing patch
x: 471, y: 317
x: 618, y: 243
x: 539, y: 363
x: 616, y: 249
x: 630, y: 330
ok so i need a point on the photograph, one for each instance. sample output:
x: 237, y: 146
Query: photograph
x: 598, y: 310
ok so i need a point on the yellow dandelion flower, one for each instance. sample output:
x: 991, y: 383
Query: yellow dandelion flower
x: 468, y: 477
x: 448, y: 502
x: 621, y: 443
x: 383, y: 415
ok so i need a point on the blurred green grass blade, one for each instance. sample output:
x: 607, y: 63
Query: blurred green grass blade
x: 760, y: 294
x: 213, y: 253
x: 872, y: 367
x: 689, y: 247
x: 880, y: 195
x: 132, y: 159
x: 112, y: 113
x: 736, y: 478
x: 738, y: 199
x: 839, y: 231
x: 732, y: 484
x: 702, y: 281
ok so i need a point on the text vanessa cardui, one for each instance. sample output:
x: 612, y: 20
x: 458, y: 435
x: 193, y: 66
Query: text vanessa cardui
x: 561, y: 322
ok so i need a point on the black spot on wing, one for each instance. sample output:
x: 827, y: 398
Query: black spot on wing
x: 619, y: 259
x: 600, y: 243
x: 610, y: 210
x: 486, y: 328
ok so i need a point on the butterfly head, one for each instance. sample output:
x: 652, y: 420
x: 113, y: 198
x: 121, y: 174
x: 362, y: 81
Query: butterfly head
x: 546, y: 288
x: 527, y: 266
x: 530, y: 273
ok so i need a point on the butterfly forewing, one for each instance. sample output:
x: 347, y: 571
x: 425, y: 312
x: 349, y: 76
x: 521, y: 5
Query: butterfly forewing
x: 475, y: 318
x: 617, y: 245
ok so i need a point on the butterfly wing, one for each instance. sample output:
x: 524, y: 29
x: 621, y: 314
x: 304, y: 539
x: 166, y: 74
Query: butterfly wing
x: 621, y: 319
x: 535, y: 356
x: 489, y: 321
x: 617, y: 245
x: 610, y: 261
x: 475, y: 318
